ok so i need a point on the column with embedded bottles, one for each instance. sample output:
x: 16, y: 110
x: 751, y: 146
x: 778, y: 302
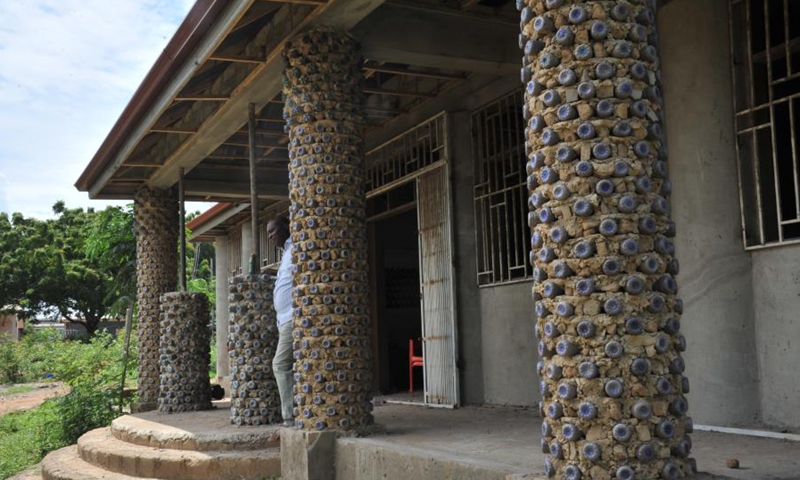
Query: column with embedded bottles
x: 608, y: 314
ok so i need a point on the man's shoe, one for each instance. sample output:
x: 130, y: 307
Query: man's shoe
x: 288, y: 423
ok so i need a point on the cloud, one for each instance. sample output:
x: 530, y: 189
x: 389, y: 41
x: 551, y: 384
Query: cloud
x: 69, y: 68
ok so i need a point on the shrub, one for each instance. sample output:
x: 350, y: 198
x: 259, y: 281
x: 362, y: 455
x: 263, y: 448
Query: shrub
x: 10, y: 366
x: 93, y: 369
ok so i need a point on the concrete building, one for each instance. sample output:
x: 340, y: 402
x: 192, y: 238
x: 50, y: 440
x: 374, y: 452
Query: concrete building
x: 447, y: 194
x: 11, y: 327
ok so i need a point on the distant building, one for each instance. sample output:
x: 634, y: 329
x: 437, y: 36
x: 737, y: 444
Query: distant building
x: 10, y: 327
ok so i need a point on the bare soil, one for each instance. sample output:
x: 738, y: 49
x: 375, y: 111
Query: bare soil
x: 26, y: 401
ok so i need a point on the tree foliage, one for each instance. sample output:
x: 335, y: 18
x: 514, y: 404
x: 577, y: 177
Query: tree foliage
x: 80, y: 265
x: 74, y: 266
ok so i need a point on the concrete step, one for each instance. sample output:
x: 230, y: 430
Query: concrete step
x: 209, y: 430
x: 102, y: 449
x: 65, y: 464
x: 33, y: 473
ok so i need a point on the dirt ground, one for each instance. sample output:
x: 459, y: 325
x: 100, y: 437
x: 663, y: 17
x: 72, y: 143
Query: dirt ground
x: 32, y: 399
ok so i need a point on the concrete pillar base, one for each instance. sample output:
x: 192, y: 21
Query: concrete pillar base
x: 307, y: 455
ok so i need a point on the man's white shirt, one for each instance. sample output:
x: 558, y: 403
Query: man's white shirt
x: 283, y: 285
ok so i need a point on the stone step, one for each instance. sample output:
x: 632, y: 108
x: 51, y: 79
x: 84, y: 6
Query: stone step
x: 33, y: 473
x: 65, y: 464
x: 209, y: 430
x: 102, y: 449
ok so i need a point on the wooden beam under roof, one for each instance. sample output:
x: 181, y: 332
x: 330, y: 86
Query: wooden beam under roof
x: 258, y: 11
x: 261, y: 86
x: 202, y: 98
x: 213, y: 188
x: 414, y: 73
x: 235, y: 59
x: 208, y: 44
x: 397, y: 93
x: 475, y: 12
x: 173, y: 130
x: 464, y: 43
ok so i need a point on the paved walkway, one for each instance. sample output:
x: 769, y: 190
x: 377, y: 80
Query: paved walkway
x: 511, y: 436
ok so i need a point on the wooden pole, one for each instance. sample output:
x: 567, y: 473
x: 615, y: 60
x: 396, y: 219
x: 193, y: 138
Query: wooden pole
x: 182, y: 223
x: 125, y: 351
x: 251, y: 130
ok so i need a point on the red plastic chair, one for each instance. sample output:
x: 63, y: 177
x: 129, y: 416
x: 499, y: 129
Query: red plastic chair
x: 413, y: 361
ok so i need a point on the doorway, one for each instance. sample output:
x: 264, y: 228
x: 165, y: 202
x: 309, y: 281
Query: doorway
x: 412, y: 295
x: 396, y: 291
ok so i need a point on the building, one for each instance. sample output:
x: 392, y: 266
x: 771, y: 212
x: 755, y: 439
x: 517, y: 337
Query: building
x: 11, y: 327
x: 449, y: 133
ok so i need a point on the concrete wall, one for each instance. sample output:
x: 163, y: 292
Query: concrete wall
x: 221, y: 318
x: 467, y: 298
x: 715, y: 280
x: 509, y: 346
x: 247, y: 245
x: 776, y: 295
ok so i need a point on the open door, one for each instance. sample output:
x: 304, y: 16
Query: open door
x: 437, y: 287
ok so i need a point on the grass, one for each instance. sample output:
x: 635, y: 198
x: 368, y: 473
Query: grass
x: 16, y: 390
x: 19, y: 448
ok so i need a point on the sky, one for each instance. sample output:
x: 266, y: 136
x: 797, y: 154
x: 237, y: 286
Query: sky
x: 67, y: 70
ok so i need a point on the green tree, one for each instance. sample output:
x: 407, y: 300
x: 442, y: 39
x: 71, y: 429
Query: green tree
x: 69, y: 265
x: 112, y: 243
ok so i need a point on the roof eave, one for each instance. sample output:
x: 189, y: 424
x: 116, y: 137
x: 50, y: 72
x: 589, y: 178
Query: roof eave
x: 194, y: 27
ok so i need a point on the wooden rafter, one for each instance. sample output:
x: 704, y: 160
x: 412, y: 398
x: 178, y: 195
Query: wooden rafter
x: 202, y: 98
x: 180, y: 131
x: 415, y: 73
x: 397, y: 93
x: 236, y: 59
x: 270, y: 120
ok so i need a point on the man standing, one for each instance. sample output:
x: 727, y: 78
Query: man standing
x: 278, y: 233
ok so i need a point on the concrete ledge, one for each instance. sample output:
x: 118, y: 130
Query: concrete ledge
x: 209, y: 430
x: 308, y: 455
x: 370, y: 458
x: 101, y: 449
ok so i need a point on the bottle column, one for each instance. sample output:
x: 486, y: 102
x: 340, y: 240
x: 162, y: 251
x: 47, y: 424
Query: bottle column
x: 156, y: 224
x: 608, y: 315
x: 325, y: 122
x: 184, y: 353
x: 253, y: 339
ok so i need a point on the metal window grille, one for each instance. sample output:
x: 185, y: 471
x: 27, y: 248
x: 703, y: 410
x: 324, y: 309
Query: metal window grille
x: 235, y: 251
x: 501, y: 212
x: 407, y: 155
x: 765, y: 46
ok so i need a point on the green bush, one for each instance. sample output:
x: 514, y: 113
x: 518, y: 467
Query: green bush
x: 25, y: 438
x: 93, y: 369
x: 43, y: 354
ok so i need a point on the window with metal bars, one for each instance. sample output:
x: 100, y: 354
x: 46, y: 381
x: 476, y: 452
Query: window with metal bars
x: 501, y: 229
x: 235, y: 251
x: 765, y: 46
